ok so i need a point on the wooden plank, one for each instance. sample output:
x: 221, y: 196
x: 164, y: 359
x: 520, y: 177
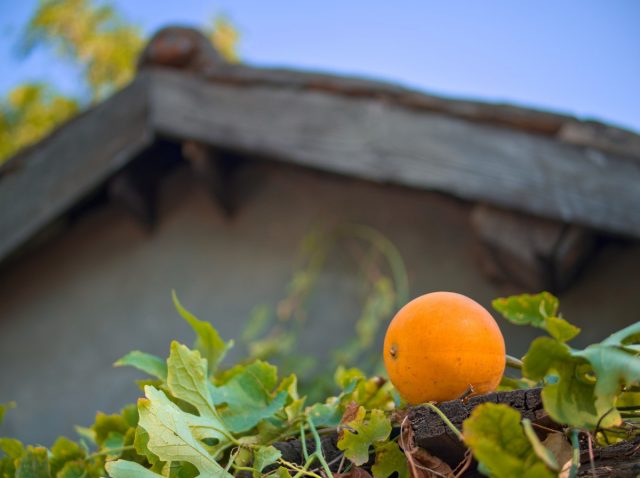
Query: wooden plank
x: 45, y: 180
x: 387, y: 142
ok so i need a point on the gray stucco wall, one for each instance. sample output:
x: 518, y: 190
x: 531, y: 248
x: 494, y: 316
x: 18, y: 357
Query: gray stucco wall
x: 71, y: 308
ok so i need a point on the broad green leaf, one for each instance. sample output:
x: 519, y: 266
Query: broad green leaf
x: 614, y: 368
x: 390, y: 459
x: 264, y: 456
x: 208, y: 341
x: 141, y: 445
x: 249, y: 396
x: 11, y: 447
x: 78, y: 469
x: 540, y: 310
x: 560, y: 329
x: 128, y: 469
x: 33, y: 464
x: 527, y: 309
x: 187, y: 379
x: 569, y: 398
x: 494, y: 435
x: 147, y: 363
x: 86, y: 433
x: 175, y: 435
x: 361, y: 433
x: 3, y: 409
x: 326, y: 414
x: 113, y: 444
x: 541, y: 452
x: 105, y: 424
x: 63, y: 451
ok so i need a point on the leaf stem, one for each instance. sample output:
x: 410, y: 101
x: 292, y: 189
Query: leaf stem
x: 110, y: 451
x: 318, y: 451
x: 514, y: 362
x: 446, y: 420
x: 303, y: 443
x: 575, y: 460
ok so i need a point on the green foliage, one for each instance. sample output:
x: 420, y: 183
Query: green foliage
x: 360, y: 434
x: 28, y: 113
x: 273, y: 334
x: 147, y: 363
x: 581, y: 387
x: 224, y: 36
x: 389, y: 460
x: 197, y: 419
x: 91, y: 35
x: 494, y: 434
x: 208, y: 341
x: 540, y: 310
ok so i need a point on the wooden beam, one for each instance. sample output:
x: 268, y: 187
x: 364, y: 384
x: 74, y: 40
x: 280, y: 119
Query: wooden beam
x: 388, y: 142
x: 47, y: 179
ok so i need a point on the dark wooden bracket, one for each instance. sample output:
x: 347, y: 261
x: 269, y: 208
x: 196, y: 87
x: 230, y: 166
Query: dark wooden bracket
x: 217, y: 170
x: 528, y: 251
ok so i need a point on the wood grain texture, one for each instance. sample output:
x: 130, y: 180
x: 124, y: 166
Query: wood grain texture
x: 386, y: 142
x: 45, y: 180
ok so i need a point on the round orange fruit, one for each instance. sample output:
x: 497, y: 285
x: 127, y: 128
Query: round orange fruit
x: 441, y: 344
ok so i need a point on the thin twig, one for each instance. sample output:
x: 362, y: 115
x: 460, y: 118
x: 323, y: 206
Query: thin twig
x: 591, y: 458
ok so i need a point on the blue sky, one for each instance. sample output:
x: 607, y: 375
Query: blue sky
x: 575, y: 56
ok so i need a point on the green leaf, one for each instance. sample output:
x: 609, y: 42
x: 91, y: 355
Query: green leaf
x: 494, y: 435
x: 208, y: 341
x: 541, y: 452
x: 390, y: 459
x: 113, y: 444
x: 34, y: 464
x: 249, y: 396
x: 187, y: 379
x: 569, y: 397
x: 63, y: 451
x: 79, y: 469
x: 175, y: 435
x: 105, y: 424
x: 3, y: 409
x: 360, y: 434
x: 128, y: 469
x: 11, y: 447
x: 527, y: 309
x: 147, y: 363
x: 614, y: 369
x: 264, y: 456
x: 560, y: 329
x: 86, y: 433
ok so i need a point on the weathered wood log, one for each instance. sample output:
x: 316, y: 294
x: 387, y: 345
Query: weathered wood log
x: 615, y: 461
x: 431, y: 433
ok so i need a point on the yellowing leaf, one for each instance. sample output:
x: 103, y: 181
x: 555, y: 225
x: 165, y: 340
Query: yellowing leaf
x: 540, y: 310
x: 360, y: 434
x: 33, y: 464
x: 389, y: 460
x: 494, y: 435
x: 175, y: 435
x: 187, y: 379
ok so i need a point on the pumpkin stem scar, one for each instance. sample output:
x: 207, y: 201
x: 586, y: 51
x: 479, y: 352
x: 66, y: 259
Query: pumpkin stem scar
x: 394, y: 351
